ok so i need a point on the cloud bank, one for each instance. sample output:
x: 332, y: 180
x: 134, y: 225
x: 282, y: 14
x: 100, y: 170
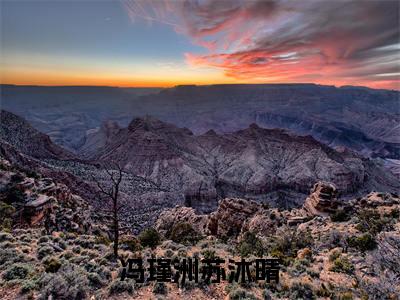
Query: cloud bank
x: 330, y: 42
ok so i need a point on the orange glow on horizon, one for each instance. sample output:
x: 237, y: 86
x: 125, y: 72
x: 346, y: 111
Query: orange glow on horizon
x: 166, y: 79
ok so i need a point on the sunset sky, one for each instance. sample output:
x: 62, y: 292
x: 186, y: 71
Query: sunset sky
x: 166, y: 43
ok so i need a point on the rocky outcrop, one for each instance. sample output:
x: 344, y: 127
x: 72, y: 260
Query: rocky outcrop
x: 40, y: 201
x: 230, y: 216
x: 20, y: 134
x: 180, y: 214
x: 322, y: 200
x: 233, y: 217
x: 264, y: 222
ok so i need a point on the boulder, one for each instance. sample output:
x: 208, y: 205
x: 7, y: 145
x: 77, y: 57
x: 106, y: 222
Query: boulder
x: 180, y: 214
x: 230, y: 216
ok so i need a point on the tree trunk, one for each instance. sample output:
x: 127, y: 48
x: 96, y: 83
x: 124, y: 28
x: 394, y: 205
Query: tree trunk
x: 116, y: 229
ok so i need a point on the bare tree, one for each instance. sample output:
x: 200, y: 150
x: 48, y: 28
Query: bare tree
x: 111, y: 192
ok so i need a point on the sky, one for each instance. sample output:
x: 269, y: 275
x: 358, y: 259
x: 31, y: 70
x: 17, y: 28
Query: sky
x: 167, y: 43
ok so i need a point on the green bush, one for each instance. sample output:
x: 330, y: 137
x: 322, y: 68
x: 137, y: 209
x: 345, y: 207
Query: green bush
x: 31, y: 173
x: 45, y: 251
x: 363, y: 243
x: 300, y: 290
x: 85, y: 241
x: 44, y: 239
x: 6, y: 214
x: 6, y: 237
x: 334, y: 255
x: 149, y: 238
x: 28, y: 285
x: 69, y: 283
x: 10, y: 256
x: 16, y: 178
x: 102, y: 240
x: 340, y: 215
x: 371, y: 221
x: 95, y: 280
x: 183, y: 233
x: 394, y: 213
x: 51, y: 264
x: 17, y: 271
x: 131, y: 244
x: 287, y: 243
x: 342, y: 265
x: 14, y: 195
x: 160, y: 288
x: 241, y: 294
x: 208, y: 254
x: 250, y: 244
x: 119, y: 287
x: 345, y: 296
x: 76, y: 249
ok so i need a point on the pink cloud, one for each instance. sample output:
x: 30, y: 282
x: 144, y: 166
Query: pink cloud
x: 335, y: 42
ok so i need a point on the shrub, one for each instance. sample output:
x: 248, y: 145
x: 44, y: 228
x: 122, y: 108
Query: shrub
x: 345, y: 296
x: 17, y: 271
x: 300, y: 290
x: 160, y: 288
x: 300, y: 266
x: 67, y: 255
x: 118, y: 287
x: 69, y: 283
x: 102, y: 240
x: 14, y: 195
x: 288, y: 242
x: 250, y: 244
x: 323, y: 292
x: 342, y: 265
x: 28, y: 285
x: 340, y: 215
x: 183, y: 233
x: 395, y: 213
x: 85, y: 241
x: 363, y: 243
x: 76, y: 249
x: 45, y: 251
x: 334, y: 255
x: 44, y: 239
x: 131, y: 244
x: 149, y: 238
x: 6, y: 237
x: 6, y: 224
x: 6, y: 213
x: 10, y: 256
x: 16, y: 178
x: 371, y: 221
x: 31, y: 173
x: 209, y: 254
x: 95, y: 280
x: 241, y: 294
x: 51, y: 264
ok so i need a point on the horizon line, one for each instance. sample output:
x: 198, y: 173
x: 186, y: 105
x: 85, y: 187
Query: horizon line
x: 188, y: 85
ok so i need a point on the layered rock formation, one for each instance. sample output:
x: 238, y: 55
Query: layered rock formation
x: 322, y: 200
x: 267, y: 165
x: 362, y: 119
x: 28, y: 140
x: 41, y: 201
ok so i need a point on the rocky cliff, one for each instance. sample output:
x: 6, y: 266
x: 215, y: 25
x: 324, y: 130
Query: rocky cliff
x: 268, y: 165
